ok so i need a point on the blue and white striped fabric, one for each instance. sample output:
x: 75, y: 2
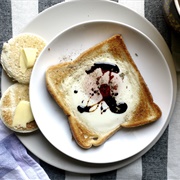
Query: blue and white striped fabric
x: 162, y: 162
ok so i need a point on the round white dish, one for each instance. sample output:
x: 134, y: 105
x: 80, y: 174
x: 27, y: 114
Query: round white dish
x: 67, y: 46
x: 87, y: 10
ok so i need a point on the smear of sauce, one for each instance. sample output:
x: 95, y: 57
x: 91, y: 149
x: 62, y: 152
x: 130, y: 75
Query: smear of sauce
x: 105, y: 90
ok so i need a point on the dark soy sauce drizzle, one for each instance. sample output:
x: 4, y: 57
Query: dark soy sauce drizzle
x: 104, y: 67
x: 105, y: 90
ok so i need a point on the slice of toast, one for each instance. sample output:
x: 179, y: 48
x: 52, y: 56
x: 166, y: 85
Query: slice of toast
x: 100, y: 92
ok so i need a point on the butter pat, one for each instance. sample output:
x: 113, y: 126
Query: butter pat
x: 27, y: 58
x: 23, y: 114
x: 22, y: 63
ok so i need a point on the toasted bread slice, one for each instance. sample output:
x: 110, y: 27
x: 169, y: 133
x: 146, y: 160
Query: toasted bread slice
x: 100, y: 92
x: 9, y: 101
x: 10, y: 55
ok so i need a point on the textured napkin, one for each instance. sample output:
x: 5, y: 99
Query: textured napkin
x: 15, y: 163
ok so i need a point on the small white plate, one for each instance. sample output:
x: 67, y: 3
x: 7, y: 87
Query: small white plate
x: 68, y: 45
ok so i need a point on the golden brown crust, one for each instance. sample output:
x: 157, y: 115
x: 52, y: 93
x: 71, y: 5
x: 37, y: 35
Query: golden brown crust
x: 146, y: 112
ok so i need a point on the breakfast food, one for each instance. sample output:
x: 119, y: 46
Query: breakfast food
x: 19, y: 55
x: 101, y: 91
x: 17, y: 58
x: 15, y: 109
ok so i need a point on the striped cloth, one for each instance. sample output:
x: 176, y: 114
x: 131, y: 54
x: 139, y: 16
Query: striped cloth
x: 160, y: 163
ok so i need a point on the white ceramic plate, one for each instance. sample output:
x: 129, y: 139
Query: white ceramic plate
x: 79, y: 11
x: 68, y: 45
